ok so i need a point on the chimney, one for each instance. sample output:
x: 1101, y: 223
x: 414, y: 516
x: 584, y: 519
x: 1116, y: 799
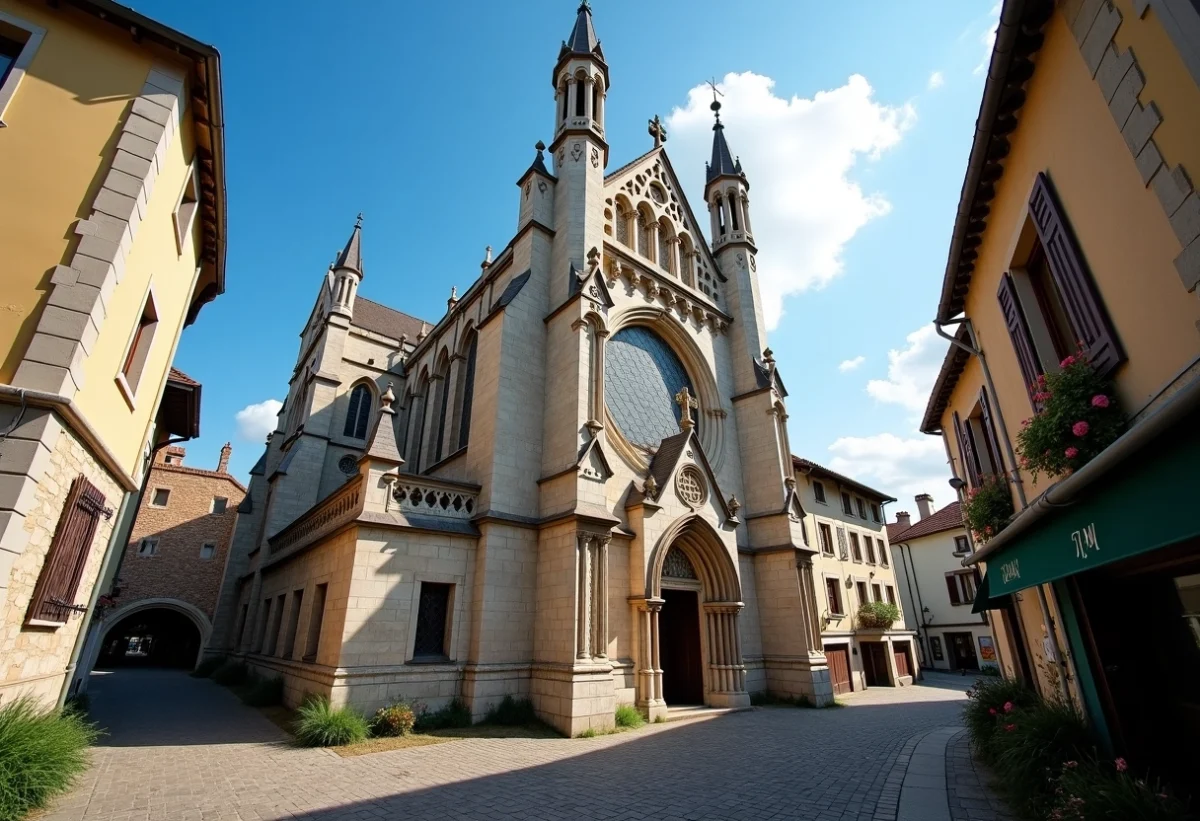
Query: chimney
x: 903, y: 519
x: 925, y: 505
x: 172, y: 455
x: 223, y: 465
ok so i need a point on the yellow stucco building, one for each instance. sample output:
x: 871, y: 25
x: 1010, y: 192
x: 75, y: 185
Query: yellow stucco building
x: 113, y: 224
x: 1079, y: 227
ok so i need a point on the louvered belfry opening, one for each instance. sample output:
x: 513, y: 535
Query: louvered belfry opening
x: 54, y: 595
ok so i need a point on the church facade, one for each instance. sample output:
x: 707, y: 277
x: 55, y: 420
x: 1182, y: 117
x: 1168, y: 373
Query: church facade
x: 574, y: 487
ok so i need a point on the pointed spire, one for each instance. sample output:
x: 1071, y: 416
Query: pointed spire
x: 583, y: 36
x: 351, y: 256
x: 722, y: 163
x: 383, y: 439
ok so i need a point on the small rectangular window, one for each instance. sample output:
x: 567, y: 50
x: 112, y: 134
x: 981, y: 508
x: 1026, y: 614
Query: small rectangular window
x: 961, y: 546
x: 819, y: 492
x: 855, y: 547
x: 139, y: 350
x: 875, y: 512
x: 833, y: 591
x: 315, y: 618
x: 185, y: 210
x: 10, y: 50
x: 862, y: 508
x: 207, y: 550
x: 847, y: 508
x: 861, y: 587
x: 877, y: 591
x: 219, y: 503
x: 148, y: 547
x: 433, y: 614
x: 826, y: 538
x: 891, y: 594
x: 18, y: 42
x: 883, y: 554
x: 161, y: 496
x: 870, y: 548
x: 961, y: 587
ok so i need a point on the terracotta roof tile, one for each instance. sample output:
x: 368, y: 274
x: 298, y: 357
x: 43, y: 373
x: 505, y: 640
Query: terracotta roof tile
x: 948, y: 518
x: 177, y: 375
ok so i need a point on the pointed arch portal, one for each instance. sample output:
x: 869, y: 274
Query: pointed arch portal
x: 690, y: 647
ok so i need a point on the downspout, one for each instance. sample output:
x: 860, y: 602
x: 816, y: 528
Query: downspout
x: 910, y: 570
x: 1015, y: 475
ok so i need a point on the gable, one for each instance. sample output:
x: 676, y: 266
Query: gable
x: 650, y: 184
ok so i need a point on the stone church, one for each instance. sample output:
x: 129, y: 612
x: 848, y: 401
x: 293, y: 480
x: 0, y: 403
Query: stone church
x: 575, y: 486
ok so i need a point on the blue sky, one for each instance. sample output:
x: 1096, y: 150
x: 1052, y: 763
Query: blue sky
x: 853, y: 121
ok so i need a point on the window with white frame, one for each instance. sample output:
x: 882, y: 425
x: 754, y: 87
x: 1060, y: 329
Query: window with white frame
x: 207, y: 550
x: 18, y: 42
x: 961, y: 587
x: 825, y: 536
x: 148, y: 547
x: 185, y: 209
x: 819, y: 492
x: 139, y: 350
x: 961, y: 546
x: 219, y: 504
x: 833, y: 593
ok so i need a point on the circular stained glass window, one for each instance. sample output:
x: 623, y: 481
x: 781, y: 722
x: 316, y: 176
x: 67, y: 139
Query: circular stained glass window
x: 348, y: 465
x: 642, y: 375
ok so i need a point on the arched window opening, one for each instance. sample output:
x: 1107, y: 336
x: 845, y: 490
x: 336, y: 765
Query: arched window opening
x: 664, y: 245
x: 359, y: 413
x: 439, y: 442
x: 580, y: 91
x: 721, y: 216
x: 733, y: 211
x: 416, y: 423
x: 596, y: 102
x: 563, y: 95
x: 468, y: 394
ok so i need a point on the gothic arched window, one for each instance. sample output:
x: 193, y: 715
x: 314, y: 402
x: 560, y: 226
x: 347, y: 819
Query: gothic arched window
x: 359, y: 413
x: 439, y: 443
x: 468, y: 394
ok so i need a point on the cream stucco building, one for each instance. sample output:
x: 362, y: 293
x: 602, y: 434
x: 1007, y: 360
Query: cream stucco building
x: 574, y: 486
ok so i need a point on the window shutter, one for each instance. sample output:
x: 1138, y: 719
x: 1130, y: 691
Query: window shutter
x: 1081, y: 301
x: 989, y: 427
x: 54, y: 595
x: 1018, y: 332
x: 966, y: 452
x: 952, y: 589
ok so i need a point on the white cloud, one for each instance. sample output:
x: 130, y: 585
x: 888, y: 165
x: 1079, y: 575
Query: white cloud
x: 798, y: 156
x: 255, y: 421
x: 851, y: 364
x: 911, y: 371
x: 900, y: 467
x: 988, y: 38
x: 936, y: 80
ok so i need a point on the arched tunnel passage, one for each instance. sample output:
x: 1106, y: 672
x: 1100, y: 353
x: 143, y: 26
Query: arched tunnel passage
x: 155, y: 637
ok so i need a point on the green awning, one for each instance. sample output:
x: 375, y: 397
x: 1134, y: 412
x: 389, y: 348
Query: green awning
x: 1147, y: 503
x: 984, y: 600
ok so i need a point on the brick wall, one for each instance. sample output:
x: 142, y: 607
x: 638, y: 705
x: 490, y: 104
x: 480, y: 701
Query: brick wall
x: 186, y: 523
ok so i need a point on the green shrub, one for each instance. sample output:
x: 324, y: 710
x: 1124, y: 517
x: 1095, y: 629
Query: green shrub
x: 986, y: 702
x: 230, y: 674
x: 207, y: 667
x: 79, y: 703
x: 262, y: 692
x: 878, y: 615
x: 990, y: 670
x: 512, y: 712
x: 628, y: 716
x: 453, y: 716
x: 320, y: 724
x: 41, y: 752
x: 590, y: 732
x: 393, y: 720
x: 988, y: 507
x: 1094, y: 791
x: 1029, y: 750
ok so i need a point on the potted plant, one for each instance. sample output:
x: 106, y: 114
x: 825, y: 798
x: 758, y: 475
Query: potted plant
x: 987, y: 508
x: 877, y: 615
x: 1077, y: 418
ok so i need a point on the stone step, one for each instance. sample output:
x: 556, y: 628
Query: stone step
x: 699, y: 711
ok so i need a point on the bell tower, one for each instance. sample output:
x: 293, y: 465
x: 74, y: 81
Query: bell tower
x: 348, y: 272
x: 580, y: 82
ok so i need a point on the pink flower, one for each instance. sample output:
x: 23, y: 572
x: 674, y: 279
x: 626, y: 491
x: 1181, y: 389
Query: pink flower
x: 1121, y: 765
x: 1080, y: 428
x: 1070, y: 765
x: 1099, y: 401
x: 1071, y: 453
x: 1008, y: 728
x: 1068, y: 362
x: 1008, y: 706
x: 991, y: 711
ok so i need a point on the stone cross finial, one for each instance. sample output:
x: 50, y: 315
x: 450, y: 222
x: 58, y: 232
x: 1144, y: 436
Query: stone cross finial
x: 686, y: 403
x: 593, y: 258
x: 386, y: 400
x: 716, y: 105
x: 358, y: 222
x: 453, y: 300
x: 657, y: 131
x: 487, y: 258
x: 651, y: 486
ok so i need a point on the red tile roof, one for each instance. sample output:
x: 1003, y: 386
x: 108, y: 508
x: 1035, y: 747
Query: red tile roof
x: 380, y: 319
x: 179, y: 376
x: 807, y: 464
x: 948, y: 518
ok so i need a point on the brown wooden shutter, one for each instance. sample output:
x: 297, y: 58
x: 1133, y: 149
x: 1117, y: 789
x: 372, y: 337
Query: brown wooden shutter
x: 989, y: 428
x: 1018, y: 332
x: 1080, y: 298
x: 952, y: 589
x: 966, y: 452
x: 54, y: 595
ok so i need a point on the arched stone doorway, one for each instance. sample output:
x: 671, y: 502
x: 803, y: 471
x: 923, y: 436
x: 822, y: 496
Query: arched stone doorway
x: 153, y: 633
x: 690, y: 650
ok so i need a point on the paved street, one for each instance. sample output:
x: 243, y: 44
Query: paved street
x: 180, y: 748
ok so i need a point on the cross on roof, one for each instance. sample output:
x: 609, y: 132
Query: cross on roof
x: 657, y: 131
x: 686, y: 403
x: 716, y: 105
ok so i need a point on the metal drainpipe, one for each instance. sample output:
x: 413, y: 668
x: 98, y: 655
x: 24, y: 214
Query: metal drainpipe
x: 910, y: 570
x: 975, y: 351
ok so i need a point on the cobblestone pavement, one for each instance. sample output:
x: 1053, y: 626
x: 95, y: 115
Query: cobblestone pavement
x: 967, y: 786
x: 182, y: 749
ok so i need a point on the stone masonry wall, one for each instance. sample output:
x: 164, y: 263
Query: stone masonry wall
x: 33, y: 660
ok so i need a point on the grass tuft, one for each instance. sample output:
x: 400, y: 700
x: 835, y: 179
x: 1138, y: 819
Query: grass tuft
x: 454, y: 715
x: 590, y: 732
x: 41, y: 753
x: 628, y: 716
x: 320, y: 724
x: 512, y: 712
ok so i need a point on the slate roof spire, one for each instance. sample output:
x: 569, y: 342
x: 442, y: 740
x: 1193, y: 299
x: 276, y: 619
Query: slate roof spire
x: 722, y: 163
x: 351, y: 256
x: 583, y: 36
